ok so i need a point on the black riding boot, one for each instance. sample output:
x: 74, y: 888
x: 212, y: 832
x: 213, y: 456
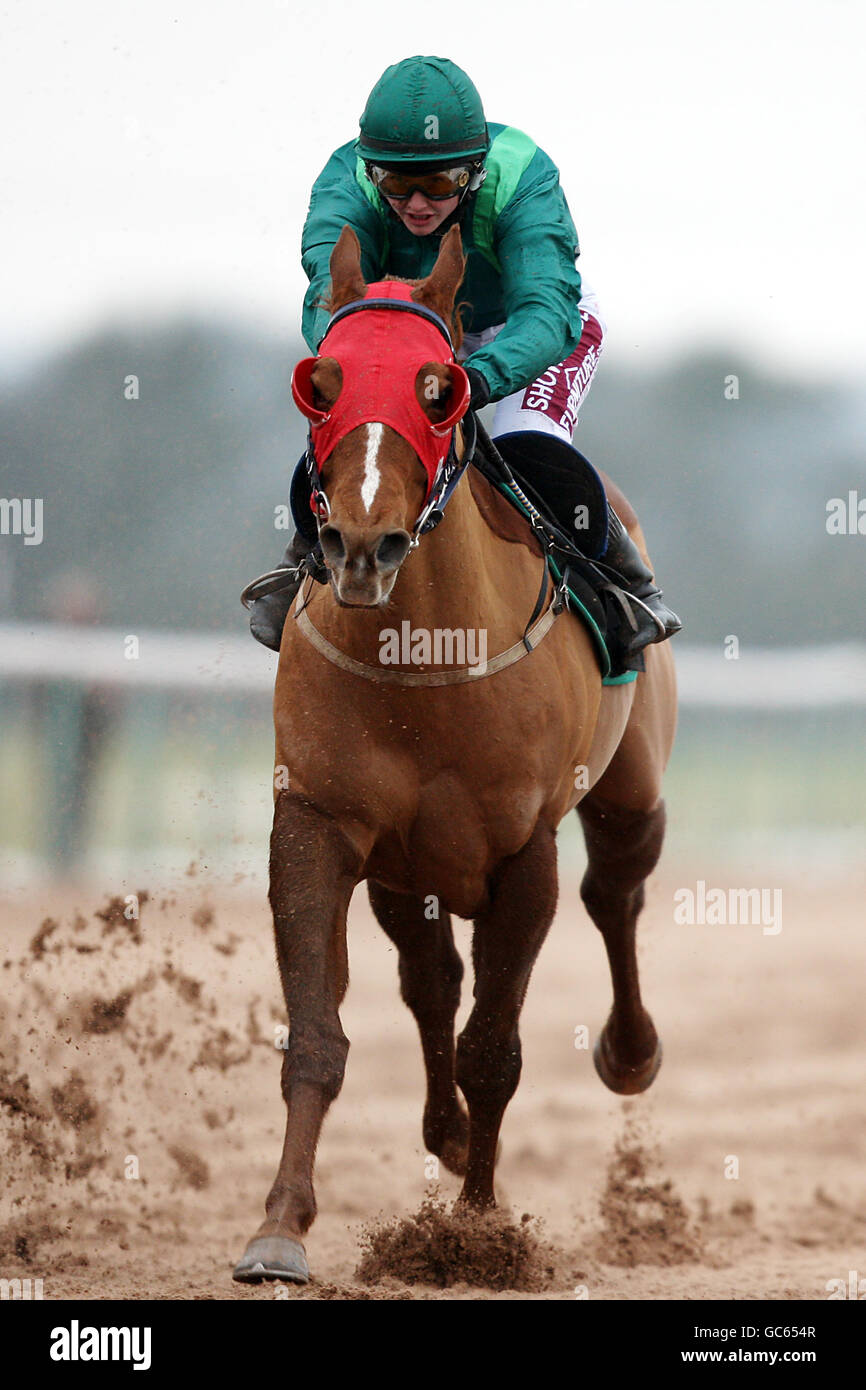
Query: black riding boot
x: 269, y: 612
x: 656, y: 621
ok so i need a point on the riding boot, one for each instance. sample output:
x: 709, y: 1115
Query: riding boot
x: 656, y: 621
x: 268, y: 613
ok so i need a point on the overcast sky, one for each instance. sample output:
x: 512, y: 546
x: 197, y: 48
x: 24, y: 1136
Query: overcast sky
x: 158, y: 157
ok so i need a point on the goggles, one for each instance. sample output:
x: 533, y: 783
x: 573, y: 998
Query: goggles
x: 445, y: 183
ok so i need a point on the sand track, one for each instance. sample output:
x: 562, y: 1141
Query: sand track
x: 140, y: 1117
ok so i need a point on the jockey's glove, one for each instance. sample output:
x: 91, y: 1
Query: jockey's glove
x: 480, y: 391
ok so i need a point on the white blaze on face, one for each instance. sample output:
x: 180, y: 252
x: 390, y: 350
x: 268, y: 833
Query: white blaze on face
x: 372, y: 476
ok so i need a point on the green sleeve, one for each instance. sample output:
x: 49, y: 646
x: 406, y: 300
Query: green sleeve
x: 337, y: 199
x: 536, y: 244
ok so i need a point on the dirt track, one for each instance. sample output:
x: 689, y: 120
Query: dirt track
x: 155, y: 1042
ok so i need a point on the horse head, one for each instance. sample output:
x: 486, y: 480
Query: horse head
x: 382, y: 399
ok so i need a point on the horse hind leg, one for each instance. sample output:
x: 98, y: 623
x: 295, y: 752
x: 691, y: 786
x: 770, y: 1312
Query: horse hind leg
x: 623, y: 846
x: 430, y: 975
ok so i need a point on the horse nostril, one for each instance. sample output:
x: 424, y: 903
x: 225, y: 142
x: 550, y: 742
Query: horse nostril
x: 392, y: 550
x: 331, y: 541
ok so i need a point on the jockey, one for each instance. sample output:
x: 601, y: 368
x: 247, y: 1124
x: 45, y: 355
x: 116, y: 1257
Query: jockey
x: 425, y: 160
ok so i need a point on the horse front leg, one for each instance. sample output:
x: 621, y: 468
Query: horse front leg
x: 505, y: 944
x: 313, y: 871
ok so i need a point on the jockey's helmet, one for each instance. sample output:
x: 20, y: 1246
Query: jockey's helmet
x: 425, y: 112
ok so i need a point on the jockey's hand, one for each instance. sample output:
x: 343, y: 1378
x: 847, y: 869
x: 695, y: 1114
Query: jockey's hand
x: 480, y: 391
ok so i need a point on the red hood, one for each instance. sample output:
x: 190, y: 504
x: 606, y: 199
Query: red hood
x: 380, y: 353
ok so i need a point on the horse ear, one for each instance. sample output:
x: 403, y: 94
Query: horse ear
x: 347, y: 282
x: 316, y: 384
x: 439, y: 290
x: 442, y: 393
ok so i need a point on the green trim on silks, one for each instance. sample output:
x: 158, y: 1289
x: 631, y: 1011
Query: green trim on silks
x: 594, y: 631
x: 375, y: 198
x: 506, y: 162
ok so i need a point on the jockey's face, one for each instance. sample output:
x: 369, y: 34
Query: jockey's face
x: 422, y: 215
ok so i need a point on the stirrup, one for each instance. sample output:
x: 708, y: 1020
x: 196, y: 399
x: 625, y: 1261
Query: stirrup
x: 660, y: 627
x: 641, y: 635
x: 272, y: 582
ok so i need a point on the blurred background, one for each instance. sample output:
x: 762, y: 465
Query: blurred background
x: 156, y: 173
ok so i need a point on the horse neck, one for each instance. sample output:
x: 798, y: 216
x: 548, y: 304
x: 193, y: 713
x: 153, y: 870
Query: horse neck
x: 465, y: 574
x: 463, y: 571
x: 460, y: 575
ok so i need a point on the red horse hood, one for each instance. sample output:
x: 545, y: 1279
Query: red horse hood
x: 380, y: 353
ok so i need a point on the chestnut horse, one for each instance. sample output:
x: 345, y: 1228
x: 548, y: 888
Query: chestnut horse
x: 444, y: 797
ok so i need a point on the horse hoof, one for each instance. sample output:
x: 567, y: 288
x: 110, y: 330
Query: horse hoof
x: 625, y: 1081
x: 453, y: 1155
x: 272, y: 1257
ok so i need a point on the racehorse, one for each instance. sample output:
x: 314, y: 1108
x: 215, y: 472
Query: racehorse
x: 442, y: 787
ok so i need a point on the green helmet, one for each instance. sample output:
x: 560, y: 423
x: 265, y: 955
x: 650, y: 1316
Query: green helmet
x: 423, y: 111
